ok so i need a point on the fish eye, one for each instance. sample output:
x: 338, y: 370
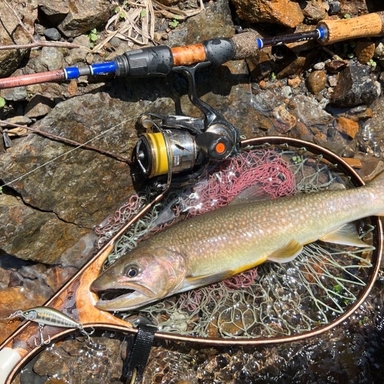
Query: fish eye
x: 131, y: 271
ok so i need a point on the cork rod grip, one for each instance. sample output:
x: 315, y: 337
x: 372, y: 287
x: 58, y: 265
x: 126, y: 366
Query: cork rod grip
x: 362, y: 26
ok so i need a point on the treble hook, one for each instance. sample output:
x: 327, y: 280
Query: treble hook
x: 42, y: 341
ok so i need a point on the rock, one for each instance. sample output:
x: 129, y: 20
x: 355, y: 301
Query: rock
x: 347, y: 126
x: 354, y: 87
x: 262, y: 65
x: 316, y: 81
x: 282, y: 12
x: 353, y: 162
x: 220, y: 23
x: 294, y: 81
x: 364, y: 50
x: 84, y: 16
x: 309, y: 111
x: 336, y: 65
x: 14, y: 94
x: 22, y: 233
x: 78, y: 55
x: 354, y: 7
x: 291, y: 67
x: 284, y: 120
x: 39, y: 106
x: 314, y: 11
x: 379, y: 51
x: 76, y: 362
x: 12, y: 33
x: 52, y: 34
x: 20, y: 120
x: 70, y: 195
x: 334, y: 7
x: 51, y: 58
x: 371, y: 167
x: 55, y: 9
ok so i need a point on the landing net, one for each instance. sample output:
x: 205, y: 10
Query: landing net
x: 272, y: 300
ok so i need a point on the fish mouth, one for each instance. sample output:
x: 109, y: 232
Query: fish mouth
x: 122, y: 298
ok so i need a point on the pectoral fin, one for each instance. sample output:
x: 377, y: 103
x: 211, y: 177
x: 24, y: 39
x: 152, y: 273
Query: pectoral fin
x: 346, y: 235
x: 286, y: 253
x: 253, y: 193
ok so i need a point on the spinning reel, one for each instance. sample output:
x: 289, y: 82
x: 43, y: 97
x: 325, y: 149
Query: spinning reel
x: 182, y: 145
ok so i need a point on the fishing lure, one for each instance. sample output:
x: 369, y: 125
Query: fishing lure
x: 49, y: 316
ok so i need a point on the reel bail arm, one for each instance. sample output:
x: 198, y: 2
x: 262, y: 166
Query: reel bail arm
x: 183, y: 145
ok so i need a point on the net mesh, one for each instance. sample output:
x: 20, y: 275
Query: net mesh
x: 270, y: 300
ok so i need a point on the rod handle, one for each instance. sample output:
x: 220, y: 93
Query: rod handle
x: 371, y: 24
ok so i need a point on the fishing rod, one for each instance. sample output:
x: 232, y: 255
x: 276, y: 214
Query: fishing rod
x: 161, y: 60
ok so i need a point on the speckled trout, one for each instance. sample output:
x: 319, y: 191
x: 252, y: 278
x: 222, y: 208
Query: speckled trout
x: 232, y: 239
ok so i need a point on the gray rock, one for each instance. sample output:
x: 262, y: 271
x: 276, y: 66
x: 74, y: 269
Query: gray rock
x: 354, y: 87
x: 51, y: 58
x: 52, y: 34
x: 84, y: 16
x: 309, y: 111
x: 14, y: 94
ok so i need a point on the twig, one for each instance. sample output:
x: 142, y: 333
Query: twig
x: 37, y: 44
x: 68, y: 141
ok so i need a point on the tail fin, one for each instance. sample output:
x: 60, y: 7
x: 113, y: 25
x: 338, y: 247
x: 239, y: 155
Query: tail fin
x: 378, y: 185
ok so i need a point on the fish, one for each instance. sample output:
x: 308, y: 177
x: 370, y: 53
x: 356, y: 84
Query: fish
x: 251, y: 230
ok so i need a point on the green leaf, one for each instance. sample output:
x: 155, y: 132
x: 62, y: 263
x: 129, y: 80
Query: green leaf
x: 143, y: 13
x: 174, y: 23
x: 2, y: 102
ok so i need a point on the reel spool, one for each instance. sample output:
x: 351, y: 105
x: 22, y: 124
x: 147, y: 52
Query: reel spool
x: 174, y: 151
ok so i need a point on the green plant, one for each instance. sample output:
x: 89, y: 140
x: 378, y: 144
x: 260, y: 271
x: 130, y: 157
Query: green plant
x: 2, y: 102
x: 93, y: 36
x: 371, y: 62
x: 174, y: 23
x: 121, y: 11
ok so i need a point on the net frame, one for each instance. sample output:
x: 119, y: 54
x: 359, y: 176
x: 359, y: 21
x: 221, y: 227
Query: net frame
x: 343, y: 167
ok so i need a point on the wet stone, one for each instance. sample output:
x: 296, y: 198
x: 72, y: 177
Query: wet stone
x: 309, y: 111
x: 354, y: 87
x: 316, y: 81
x: 347, y: 126
x: 285, y: 121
